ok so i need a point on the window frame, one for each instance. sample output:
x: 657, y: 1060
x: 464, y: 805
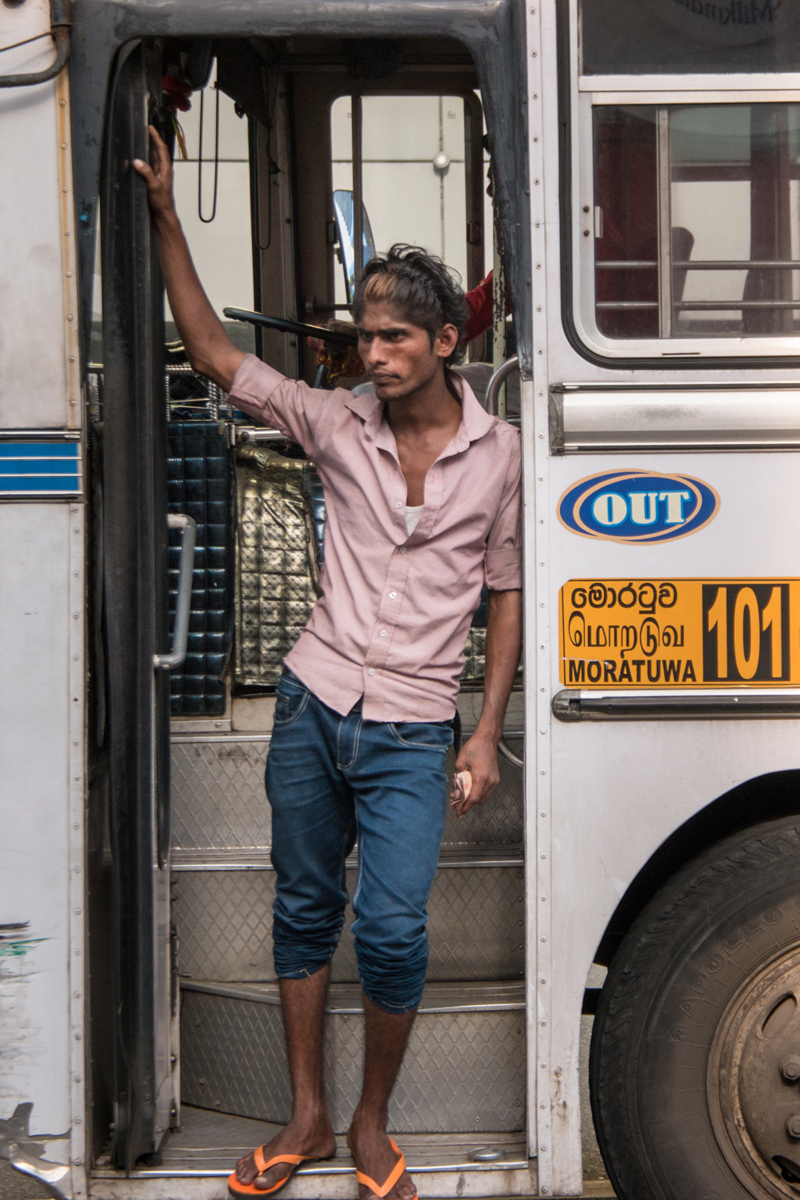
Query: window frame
x: 589, y: 91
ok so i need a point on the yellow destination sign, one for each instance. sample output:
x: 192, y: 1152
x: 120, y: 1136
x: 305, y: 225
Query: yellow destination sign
x: 679, y: 633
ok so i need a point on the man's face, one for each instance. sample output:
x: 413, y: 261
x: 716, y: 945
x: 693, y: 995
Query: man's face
x: 397, y: 355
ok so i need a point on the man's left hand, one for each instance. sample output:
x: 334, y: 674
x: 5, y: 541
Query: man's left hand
x: 479, y: 757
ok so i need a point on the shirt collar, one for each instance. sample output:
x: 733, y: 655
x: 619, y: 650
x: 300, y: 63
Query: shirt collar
x: 475, y: 421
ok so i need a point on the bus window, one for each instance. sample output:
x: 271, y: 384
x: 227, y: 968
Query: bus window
x: 658, y: 37
x: 697, y: 221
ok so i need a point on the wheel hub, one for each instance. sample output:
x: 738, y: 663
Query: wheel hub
x: 753, y: 1081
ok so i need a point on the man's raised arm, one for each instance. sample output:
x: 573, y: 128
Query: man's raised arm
x: 209, y: 348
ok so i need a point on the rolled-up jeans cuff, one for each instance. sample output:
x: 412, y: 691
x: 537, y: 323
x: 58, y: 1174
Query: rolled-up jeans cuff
x: 301, y: 973
x: 299, y: 951
x: 384, y: 1004
x: 394, y: 986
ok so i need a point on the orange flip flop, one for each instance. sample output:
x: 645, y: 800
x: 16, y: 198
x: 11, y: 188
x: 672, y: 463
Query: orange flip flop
x: 397, y: 1171
x: 249, y: 1189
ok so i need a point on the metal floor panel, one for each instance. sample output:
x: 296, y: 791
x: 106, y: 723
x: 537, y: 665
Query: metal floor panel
x: 224, y: 922
x: 464, y: 1071
x: 435, y: 1185
x: 211, y: 1142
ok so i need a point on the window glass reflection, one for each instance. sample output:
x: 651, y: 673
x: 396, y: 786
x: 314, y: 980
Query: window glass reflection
x: 697, y: 221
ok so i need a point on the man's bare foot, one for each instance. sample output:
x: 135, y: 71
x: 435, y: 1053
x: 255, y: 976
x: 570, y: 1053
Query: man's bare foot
x: 373, y: 1155
x: 314, y: 1139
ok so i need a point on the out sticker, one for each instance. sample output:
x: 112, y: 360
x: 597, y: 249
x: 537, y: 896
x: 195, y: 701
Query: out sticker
x: 638, y: 507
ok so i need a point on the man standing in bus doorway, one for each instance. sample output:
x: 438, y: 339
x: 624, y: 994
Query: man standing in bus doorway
x: 422, y: 489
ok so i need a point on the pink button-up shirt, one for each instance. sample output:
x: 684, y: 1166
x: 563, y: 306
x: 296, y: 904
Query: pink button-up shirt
x: 394, y: 613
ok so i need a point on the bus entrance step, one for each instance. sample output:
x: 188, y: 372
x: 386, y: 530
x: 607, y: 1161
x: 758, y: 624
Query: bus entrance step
x: 464, y: 1070
x: 197, y: 1159
x: 224, y: 919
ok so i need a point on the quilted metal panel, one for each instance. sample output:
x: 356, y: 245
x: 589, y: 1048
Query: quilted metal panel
x: 200, y: 485
x: 463, y: 1071
x: 224, y: 922
x: 475, y: 654
x: 312, y: 485
x: 218, y: 798
x: 276, y: 563
x: 475, y: 649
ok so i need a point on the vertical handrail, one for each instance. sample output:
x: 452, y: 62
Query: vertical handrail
x: 664, y: 227
x: 358, y: 191
x: 183, y: 603
x: 498, y: 315
x: 492, y: 390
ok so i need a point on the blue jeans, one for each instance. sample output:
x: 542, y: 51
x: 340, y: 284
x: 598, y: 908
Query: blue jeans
x: 331, y: 780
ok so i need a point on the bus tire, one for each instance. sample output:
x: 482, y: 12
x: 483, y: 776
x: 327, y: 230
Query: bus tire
x: 695, y: 1060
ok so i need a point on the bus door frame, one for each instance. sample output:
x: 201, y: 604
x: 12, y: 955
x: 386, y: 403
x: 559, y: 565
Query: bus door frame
x: 136, y: 618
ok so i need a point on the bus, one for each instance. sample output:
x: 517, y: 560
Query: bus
x: 615, y: 935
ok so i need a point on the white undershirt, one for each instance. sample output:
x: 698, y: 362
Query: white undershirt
x: 412, y: 516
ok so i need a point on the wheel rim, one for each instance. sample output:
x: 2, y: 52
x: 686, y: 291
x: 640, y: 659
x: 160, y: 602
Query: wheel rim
x: 753, y: 1079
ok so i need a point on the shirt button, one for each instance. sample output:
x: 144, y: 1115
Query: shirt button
x: 392, y: 595
x: 371, y: 671
x: 402, y: 549
x: 383, y: 633
x: 398, y: 505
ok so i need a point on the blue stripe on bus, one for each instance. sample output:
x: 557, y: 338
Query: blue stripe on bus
x: 12, y: 450
x: 39, y: 483
x: 28, y: 467
x: 40, y: 468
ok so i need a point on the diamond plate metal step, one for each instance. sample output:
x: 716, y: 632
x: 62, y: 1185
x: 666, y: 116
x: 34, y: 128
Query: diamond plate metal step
x: 464, y: 1071
x: 219, y: 806
x: 224, y: 921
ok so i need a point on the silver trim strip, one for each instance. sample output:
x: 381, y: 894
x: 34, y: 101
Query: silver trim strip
x: 584, y: 419
x: 41, y: 435
x: 570, y: 706
x: 690, y: 85
x: 460, y: 1165
x: 346, y: 999
x: 178, y: 739
x: 451, y: 858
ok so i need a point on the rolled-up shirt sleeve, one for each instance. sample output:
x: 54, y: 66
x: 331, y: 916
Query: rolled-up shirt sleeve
x: 504, y: 544
x: 289, y: 405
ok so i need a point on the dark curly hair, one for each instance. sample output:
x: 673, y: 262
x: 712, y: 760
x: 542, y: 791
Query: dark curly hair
x: 420, y: 286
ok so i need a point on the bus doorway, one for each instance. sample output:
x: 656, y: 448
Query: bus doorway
x: 278, y: 128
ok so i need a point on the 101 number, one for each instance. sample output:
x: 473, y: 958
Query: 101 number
x: 745, y: 632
